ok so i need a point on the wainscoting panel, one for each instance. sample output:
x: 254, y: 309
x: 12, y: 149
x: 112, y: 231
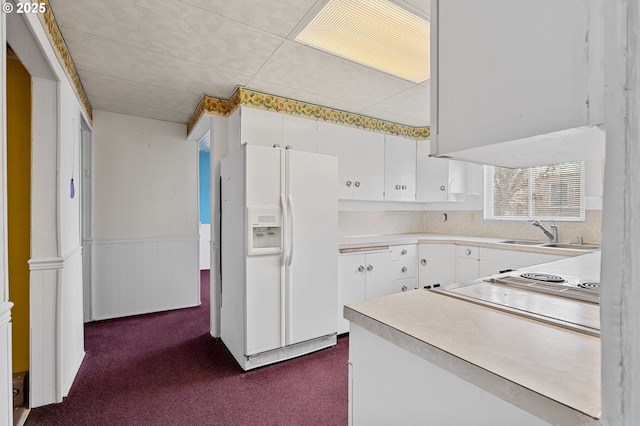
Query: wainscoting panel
x: 137, y: 276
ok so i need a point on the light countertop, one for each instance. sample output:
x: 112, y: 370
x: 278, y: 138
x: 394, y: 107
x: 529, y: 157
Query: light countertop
x: 363, y: 242
x: 547, y: 370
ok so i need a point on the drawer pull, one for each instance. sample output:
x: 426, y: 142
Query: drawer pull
x: 369, y: 267
x: 404, y: 288
x: 404, y: 269
x: 348, y: 183
x: 360, y: 268
x: 403, y: 252
x: 357, y: 184
x: 423, y: 261
x: 467, y: 252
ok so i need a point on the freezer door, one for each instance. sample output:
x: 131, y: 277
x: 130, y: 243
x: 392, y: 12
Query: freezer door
x: 312, y: 262
x: 264, y: 311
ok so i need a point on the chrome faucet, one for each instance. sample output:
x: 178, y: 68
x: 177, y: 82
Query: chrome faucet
x: 553, y: 235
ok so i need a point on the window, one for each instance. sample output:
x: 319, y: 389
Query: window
x: 553, y: 192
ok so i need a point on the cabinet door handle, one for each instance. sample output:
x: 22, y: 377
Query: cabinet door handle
x: 404, y: 288
x: 360, y: 268
x: 397, y: 186
x: 403, y: 252
x: 357, y: 184
x: 404, y: 269
x: 369, y: 267
x: 404, y: 186
x: 442, y: 188
x: 423, y: 261
x: 348, y: 183
x: 467, y: 252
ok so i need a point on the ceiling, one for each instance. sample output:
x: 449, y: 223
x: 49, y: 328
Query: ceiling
x: 157, y: 58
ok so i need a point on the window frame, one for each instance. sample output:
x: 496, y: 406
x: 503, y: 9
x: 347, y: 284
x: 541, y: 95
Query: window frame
x: 489, y: 199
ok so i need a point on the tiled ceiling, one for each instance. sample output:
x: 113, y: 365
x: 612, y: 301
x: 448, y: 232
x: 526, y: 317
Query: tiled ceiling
x: 157, y: 58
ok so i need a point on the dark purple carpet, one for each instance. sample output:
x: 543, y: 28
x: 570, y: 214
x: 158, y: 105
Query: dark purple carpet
x: 165, y: 369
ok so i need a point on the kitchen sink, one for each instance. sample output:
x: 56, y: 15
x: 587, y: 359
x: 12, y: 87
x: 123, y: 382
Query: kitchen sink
x: 572, y: 246
x: 523, y: 242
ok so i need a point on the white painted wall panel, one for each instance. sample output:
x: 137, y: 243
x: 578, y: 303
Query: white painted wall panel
x: 145, y: 178
x: 205, y: 246
x: 69, y: 167
x: 43, y: 342
x: 137, y: 276
x: 71, y: 320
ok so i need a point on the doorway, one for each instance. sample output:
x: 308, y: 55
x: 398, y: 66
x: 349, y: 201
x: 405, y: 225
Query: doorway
x: 18, y: 95
x: 85, y: 217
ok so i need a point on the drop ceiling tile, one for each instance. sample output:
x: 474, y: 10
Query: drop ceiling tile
x: 304, y: 68
x: 276, y: 17
x: 135, y: 93
x: 412, y: 104
x: 170, y: 28
x: 422, y: 6
x: 101, y: 104
x: 127, y: 62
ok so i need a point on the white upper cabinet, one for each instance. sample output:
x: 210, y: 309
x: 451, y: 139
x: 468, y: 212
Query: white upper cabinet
x: 516, y: 70
x: 260, y: 127
x: 399, y: 169
x: 360, y: 158
x: 432, y: 175
x: 299, y: 133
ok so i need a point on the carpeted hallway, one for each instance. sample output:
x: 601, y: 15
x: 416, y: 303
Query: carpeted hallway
x: 165, y: 369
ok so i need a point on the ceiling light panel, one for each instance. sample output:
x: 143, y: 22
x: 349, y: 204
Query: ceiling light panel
x: 375, y: 33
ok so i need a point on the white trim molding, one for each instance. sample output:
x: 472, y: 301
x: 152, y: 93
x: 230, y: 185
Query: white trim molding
x: 46, y: 264
x: 5, y: 313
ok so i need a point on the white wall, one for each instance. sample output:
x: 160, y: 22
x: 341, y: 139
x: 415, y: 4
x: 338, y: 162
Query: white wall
x: 144, y: 176
x: 145, y: 226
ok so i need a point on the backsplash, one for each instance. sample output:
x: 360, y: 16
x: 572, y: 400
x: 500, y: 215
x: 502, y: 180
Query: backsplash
x: 472, y: 223
x: 352, y: 223
x: 464, y: 222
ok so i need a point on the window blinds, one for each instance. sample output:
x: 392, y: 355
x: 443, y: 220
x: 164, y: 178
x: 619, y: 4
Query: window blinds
x: 552, y: 192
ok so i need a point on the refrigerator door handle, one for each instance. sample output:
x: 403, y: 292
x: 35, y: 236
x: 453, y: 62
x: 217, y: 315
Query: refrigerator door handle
x: 283, y: 272
x: 292, y: 219
x: 285, y: 221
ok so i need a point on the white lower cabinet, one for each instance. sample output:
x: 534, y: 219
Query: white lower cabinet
x: 437, y: 264
x: 449, y: 263
x: 401, y: 274
x: 494, y: 261
x: 361, y: 276
x: 468, y: 263
x: 374, y: 274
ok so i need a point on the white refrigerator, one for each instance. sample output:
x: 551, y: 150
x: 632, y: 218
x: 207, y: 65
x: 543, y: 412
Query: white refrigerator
x: 279, y: 249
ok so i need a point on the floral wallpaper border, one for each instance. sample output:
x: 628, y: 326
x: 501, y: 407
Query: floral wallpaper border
x: 62, y: 52
x: 250, y: 98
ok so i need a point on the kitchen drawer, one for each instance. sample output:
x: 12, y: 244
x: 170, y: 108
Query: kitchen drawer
x: 405, y: 251
x: 404, y: 269
x: 406, y: 284
x: 469, y: 252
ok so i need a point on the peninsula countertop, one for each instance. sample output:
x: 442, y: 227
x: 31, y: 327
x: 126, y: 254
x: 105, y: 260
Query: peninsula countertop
x: 539, y: 367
